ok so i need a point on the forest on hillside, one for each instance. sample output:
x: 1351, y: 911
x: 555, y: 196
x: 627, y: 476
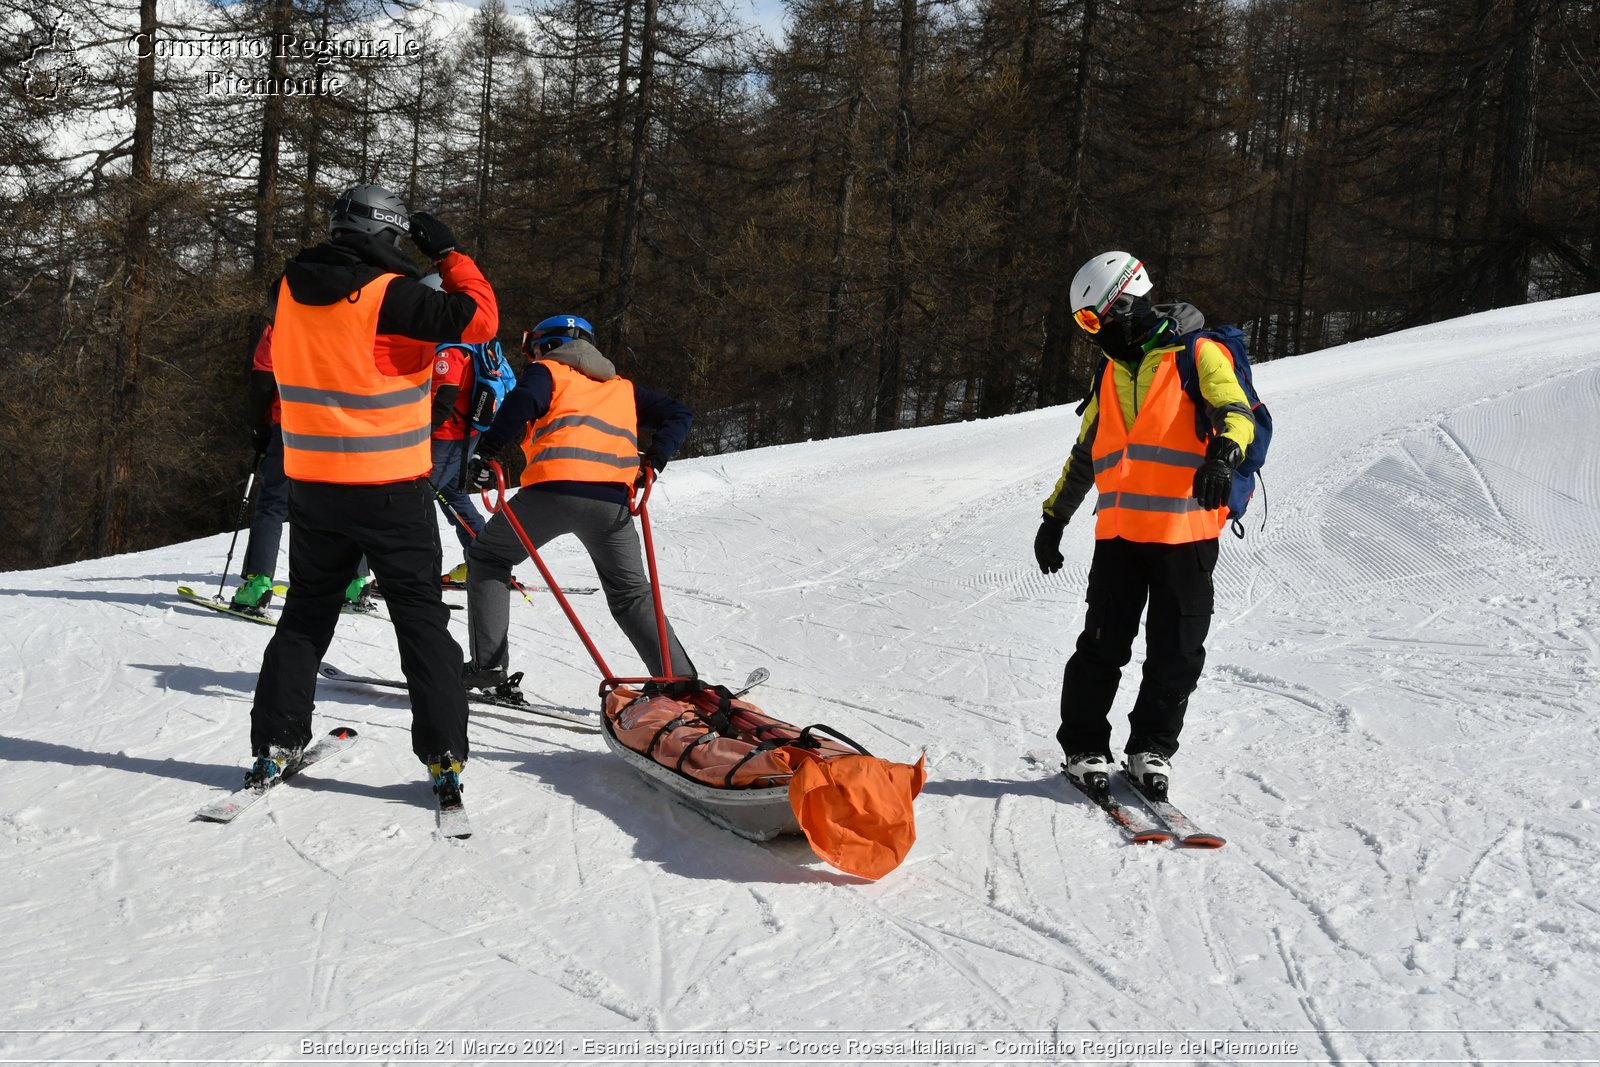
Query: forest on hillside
x: 865, y: 225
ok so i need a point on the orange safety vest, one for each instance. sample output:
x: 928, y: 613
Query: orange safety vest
x: 345, y: 421
x: 1145, y: 474
x: 590, y: 433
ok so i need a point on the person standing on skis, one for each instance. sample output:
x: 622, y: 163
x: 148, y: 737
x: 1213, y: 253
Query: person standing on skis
x: 353, y: 348
x: 575, y: 441
x: 272, y: 494
x: 1163, y: 493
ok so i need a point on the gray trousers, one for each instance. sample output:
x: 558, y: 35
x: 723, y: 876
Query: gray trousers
x: 607, y: 532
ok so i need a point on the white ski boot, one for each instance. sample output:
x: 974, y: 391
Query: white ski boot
x: 1091, y: 771
x: 1150, y: 772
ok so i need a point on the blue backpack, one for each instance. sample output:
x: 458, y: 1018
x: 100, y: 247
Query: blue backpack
x: 492, y: 379
x: 1244, y: 478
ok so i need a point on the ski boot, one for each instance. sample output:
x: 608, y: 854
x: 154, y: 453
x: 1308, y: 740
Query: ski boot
x: 476, y: 677
x: 252, y: 597
x: 455, y: 577
x: 357, y: 599
x: 268, y: 770
x: 1091, y: 772
x: 445, y: 771
x: 1149, y: 772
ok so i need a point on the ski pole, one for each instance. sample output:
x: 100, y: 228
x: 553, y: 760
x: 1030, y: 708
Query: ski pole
x: 244, y: 507
x: 499, y: 506
x: 473, y: 533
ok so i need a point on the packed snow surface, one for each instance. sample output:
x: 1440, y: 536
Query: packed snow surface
x: 1396, y: 732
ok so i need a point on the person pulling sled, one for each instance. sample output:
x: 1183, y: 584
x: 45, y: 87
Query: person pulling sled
x: 572, y: 442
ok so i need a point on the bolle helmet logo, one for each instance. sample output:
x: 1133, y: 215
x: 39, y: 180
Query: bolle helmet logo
x: 392, y: 217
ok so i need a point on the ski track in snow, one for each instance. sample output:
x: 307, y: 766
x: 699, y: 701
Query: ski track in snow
x: 1396, y: 732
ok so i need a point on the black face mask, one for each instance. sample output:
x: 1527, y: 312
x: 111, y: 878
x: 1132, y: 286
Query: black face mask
x: 1123, y: 336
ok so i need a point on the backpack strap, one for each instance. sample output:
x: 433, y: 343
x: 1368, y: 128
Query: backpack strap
x: 1094, y: 385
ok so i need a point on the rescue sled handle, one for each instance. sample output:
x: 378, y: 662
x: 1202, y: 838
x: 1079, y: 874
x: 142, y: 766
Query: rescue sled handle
x: 609, y: 681
x: 638, y: 508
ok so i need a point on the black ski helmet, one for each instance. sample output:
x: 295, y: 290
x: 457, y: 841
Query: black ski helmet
x: 370, y: 209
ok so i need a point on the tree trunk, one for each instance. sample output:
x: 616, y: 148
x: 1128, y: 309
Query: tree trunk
x: 891, y: 385
x: 120, y: 436
x: 271, y: 138
x: 619, y: 185
x: 1514, y: 165
x: 1055, y: 377
x: 633, y: 212
x: 849, y: 166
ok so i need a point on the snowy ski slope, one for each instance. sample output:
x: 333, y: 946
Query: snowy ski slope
x: 1396, y: 732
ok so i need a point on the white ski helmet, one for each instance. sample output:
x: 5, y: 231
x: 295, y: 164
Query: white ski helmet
x: 1100, y: 282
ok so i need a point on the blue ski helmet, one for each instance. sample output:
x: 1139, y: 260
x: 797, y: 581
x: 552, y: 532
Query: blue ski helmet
x: 554, y: 332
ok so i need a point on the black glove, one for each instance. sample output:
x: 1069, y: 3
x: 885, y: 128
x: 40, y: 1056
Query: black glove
x: 1213, y: 482
x: 479, y: 476
x: 260, y: 438
x: 1047, y: 544
x: 432, y: 237
x: 655, y: 463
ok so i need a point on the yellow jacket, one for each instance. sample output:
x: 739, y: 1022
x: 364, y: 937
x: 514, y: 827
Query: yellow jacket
x: 1219, y: 387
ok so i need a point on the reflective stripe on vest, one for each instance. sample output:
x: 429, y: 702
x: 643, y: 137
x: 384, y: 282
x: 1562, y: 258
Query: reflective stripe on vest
x: 1145, y: 473
x: 344, y: 420
x: 590, y: 433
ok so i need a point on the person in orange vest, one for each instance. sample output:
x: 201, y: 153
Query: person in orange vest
x: 272, y: 496
x: 572, y: 443
x: 1163, y: 492
x: 353, y: 347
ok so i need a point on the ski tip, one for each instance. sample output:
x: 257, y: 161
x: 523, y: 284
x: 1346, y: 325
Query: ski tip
x: 1203, y: 841
x: 1151, y: 837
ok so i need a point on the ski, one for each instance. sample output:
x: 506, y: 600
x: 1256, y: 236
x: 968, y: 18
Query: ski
x: 453, y: 821
x: 1184, y: 830
x: 757, y: 676
x: 590, y: 722
x: 572, y: 590
x: 331, y: 744
x: 1135, y: 826
x: 222, y: 606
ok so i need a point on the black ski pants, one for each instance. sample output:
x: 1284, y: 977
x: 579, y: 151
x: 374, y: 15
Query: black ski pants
x: 330, y: 528
x: 1175, y: 580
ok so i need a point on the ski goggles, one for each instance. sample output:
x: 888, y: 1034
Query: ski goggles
x: 1093, y: 322
x: 536, y: 344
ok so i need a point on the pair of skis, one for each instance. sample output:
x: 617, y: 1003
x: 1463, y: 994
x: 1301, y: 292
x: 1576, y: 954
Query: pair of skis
x: 452, y: 820
x: 1165, y: 825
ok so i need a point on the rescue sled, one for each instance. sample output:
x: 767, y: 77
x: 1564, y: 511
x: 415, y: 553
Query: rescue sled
x: 744, y: 770
x: 718, y: 754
